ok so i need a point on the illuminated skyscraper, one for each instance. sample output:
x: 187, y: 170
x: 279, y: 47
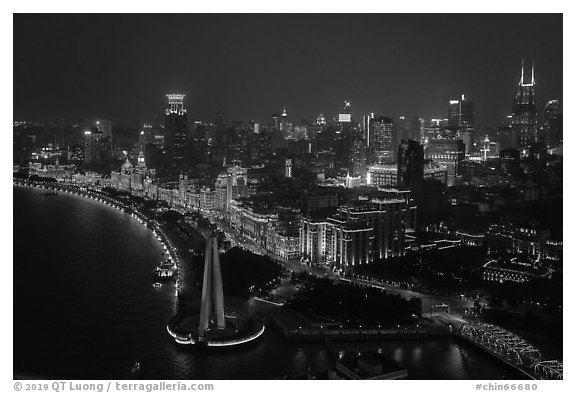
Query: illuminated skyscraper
x: 417, y: 128
x: 176, y: 128
x: 525, y: 114
x: 366, y: 120
x: 462, y: 114
x: 462, y: 119
x: 104, y: 127
x: 358, y: 163
x: 382, y: 140
x: 288, y: 168
x: 447, y: 152
x: 97, y: 149
x: 553, y: 123
x: 346, y: 115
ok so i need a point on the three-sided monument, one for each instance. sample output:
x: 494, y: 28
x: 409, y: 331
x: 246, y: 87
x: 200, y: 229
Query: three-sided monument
x: 213, y: 327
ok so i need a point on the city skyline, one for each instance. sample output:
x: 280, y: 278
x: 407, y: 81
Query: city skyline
x: 347, y: 197
x: 224, y: 64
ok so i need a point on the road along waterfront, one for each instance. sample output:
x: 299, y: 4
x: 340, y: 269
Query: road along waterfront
x: 85, y: 308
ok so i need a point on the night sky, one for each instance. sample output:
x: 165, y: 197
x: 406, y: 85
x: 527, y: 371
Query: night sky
x: 249, y: 66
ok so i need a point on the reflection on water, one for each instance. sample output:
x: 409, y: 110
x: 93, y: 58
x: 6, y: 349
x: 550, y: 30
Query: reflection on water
x: 82, y: 291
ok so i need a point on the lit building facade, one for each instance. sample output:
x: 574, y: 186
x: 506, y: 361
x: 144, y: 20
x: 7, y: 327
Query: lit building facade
x: 358, y: 162
x: 525, y: 114
x: 97, y: 148
x: 176, y: 128
x: 553, y: 124
x: 382, y: 140
x: 237, y: 185
x: 288, y: 168
x: 358, y: 233
x: 446, y: 152
x: 517, y: 239
x: 462, y: 117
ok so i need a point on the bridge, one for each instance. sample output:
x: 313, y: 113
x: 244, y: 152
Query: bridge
x: 504, y: 345
x: 548, y: 369
x: 511, y: 349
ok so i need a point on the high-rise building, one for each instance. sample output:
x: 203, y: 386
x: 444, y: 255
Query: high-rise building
x: 346, y: 115
x: 176, y: 128
x: 237, y: 186
x: 417, y: 128
x: 362, y: 231
x: 221, y: 193
x: 507, y: 135
x: 288, y: 168
x: 462, y: 115
x: 366, y: 120
x: 446, y: 152
x: 381, y: 133
x: 358, y: 158
x: 553, y: 123
x: 510, y: 161
x: 97, y: 149
x: 525, y: 113
x: 104, y: 127
x: 411, y: 165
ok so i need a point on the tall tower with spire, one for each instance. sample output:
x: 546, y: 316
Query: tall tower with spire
x: 525, y: 114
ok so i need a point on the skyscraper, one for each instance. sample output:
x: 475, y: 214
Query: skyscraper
x: 553, y: 123
x: 345, y: 119
x: 97, y: 149
x: 104, y: 127
x: 447, y: 152
x: 382, y: 140
x: 462, y: 114
x: 525, y: 114
x: 462, y: 119
x: 358, y: 158
x: 366, y: 120
x: 411, y: 165
x: 288, y: 168
x: 176, y: 128
x: 417, y: 128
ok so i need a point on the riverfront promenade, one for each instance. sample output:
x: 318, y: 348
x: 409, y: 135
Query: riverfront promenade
x: 171, y: 252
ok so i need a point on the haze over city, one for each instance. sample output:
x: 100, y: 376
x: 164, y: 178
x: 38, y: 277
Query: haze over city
x: 263, y: 196
x: 247, y: 66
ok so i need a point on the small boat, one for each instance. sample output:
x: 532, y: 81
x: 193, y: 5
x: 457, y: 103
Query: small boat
x: 157, y: 284
x: 136, y: 371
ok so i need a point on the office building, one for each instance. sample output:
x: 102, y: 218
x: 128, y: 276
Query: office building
x: 462, y: 117
x: 525, y: 114
x: 176, y: 129
x: 381, y: 133
x: 446, y: 152
x: 553, y: 124
x: 288, y: 168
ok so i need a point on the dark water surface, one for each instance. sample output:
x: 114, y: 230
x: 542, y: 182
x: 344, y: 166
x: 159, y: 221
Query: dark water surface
x: 84, y: 308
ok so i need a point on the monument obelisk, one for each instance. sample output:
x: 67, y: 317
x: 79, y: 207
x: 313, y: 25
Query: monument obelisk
x: 212, y: 305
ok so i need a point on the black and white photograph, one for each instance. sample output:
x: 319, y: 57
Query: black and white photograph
x: 360, y: 195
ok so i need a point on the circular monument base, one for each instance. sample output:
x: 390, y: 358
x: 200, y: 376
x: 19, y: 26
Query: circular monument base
x: 238, y: 330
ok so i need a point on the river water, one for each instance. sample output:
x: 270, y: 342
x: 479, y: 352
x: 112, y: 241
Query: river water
x: 84, y: 308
